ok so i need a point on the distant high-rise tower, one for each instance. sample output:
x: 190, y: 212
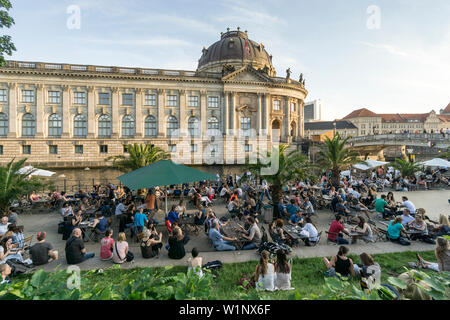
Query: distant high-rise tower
x: 313, y: 110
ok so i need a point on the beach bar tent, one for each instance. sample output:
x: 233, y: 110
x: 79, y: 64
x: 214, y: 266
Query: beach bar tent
x: 163, y: 173
x: 436, y: 162
x: 369, y: 164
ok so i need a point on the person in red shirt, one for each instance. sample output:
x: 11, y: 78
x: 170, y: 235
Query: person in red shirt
x: 335, y: 230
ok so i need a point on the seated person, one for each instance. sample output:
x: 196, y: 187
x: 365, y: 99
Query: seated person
x: 394, y: 231
x: 381, y: 206
x: 336, y: 227
x: 176, y: 244
x: 9, y: 251
x: 282, y: 210
x: 442, y: 228
x: 234, y: 207
x: 442, y: 253
x: 107, y: 246
x: 368, y: 270
x: 195, y: 263
x: 5, y: 271
x: 4, y: 226
x: 406, y: 217
x: 277, y: 232
x: 340, y: 264
x: 220, y: 242
x: 75, y: 250
x: 408, y: 205
x: 18, y: 236
x: 253, y: 235
x: 42, y: 252
x: 66, y: 210
x: 264, y: 275
x: 309, y: 232
x: 100, y: 225
x: 308, y: 207
x: 282, y: 272
x: 362, y: 228
x: 200, y: 216
x: 296, y: 219
x: 341, y: 208
x: 291, y: 208
x: 121, y: 250
x: 150, y: 244
x: 418, y: 225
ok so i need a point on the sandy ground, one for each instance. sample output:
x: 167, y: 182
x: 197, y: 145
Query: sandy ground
x: 434, y: 201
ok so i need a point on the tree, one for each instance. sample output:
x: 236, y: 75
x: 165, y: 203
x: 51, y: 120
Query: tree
x: 14, y: 185
x: 291, y: 166
x: 140, y: 156
x: 336, y: 156
x: 405, y: 167
x: 6, y: 44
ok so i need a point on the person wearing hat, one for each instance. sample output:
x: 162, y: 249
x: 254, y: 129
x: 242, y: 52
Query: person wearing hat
x: 42, y: 252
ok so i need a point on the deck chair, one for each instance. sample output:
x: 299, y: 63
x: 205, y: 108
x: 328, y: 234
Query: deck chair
x: 319, y: 236
x: 328, y: 240
x: 27, y: 242
x: 379, y: 234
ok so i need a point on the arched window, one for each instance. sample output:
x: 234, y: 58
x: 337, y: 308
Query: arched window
x: 28, y: 125
x: 3, y: 125
x: 80, y: 126
x: 151, y: 126
x: 104, y: 126
x: 172, y: 126
x: 55, y: 125
x: 246, y: 125
x: 128, y: 126
x: 194, y: 127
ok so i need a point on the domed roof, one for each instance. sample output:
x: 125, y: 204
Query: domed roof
x: 236, y: 49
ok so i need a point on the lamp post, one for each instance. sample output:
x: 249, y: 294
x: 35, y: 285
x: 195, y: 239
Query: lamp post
x: 334, y: 125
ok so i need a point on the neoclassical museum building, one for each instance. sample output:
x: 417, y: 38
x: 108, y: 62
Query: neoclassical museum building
x: 68, y: 115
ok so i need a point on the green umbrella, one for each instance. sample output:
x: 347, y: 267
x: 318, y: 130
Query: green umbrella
x: 163, y: 173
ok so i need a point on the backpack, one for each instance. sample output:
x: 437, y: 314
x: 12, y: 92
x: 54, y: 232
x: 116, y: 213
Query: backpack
x: 17, y: 267
x: 213, y: 265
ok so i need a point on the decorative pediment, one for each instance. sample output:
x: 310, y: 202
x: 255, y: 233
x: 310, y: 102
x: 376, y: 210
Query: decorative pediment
x: 246, y: 110
x: 247, y: 74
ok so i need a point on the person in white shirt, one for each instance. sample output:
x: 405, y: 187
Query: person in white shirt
x: 309, y: 231
x: 409, y: 205
x: 120, y: 209
x: 4, y: 225
x: 406, y: 217
x: 66, y: 210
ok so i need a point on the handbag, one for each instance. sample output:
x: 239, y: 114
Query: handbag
x: 129, y: 257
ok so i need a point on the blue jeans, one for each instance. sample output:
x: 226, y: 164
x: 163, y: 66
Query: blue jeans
x: 225, y: 246
x: 88, y: 255
x: 249, y: 246
x: 265, y: 192
x: 341, y: 240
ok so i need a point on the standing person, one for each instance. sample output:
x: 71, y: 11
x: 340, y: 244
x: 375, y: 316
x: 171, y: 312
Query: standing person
x: 107, y: 246
x: 150, y: 201
x: 336, y: 227
x: 264, y: 275
x: 42, y: 252
x: 394, y: 230
x: 282, y: 272
x: 195, y: 263
x: 340, y: 264
x: 442, y: 253
x: 121, y: 251
x: 75, y: 250
x: 139, y: 220
x: 120, y: 210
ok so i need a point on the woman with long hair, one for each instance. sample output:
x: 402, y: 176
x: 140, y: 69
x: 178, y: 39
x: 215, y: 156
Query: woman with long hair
x: 442, y: 253
x: 363, y: 229
x: 276, y: 231
x: 264, y: 275
x: 339, y: 264
x: 282, y: 272
x: 443, y: 228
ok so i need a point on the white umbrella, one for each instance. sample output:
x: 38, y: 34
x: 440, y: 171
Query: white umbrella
x: 436, y: 162
x: 361, y: 166
x: 36, y: 172
x: 369, y: 164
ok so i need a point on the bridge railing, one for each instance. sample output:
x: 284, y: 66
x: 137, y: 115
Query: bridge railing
x: 435, y: 137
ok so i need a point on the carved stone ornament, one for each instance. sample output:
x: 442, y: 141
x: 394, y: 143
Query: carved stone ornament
x: 246, y: 110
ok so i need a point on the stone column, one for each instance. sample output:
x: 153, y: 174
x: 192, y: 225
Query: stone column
x: 66, y: 111
x: 203, y: 112
x: 40, y: 112
x: 183, y: 124
x: 161, y: 115
x: 267, y: 111
x: 287, y: 118
x: 226, y: 114
x: 233, y: 125
x: 139, y: 121
x: 115, y: 121
x: 259, y: 114
x: 91, y: 112
x: 12, y: 114
x: 301, y: 119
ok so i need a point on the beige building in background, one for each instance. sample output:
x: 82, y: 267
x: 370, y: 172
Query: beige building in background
x: 68, y: 115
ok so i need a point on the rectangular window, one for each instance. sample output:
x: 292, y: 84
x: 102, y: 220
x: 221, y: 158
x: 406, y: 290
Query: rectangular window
x: 127, y: 99
x: 54, y: 97
x: 193, y: 101
x: 125, y: 149
x: 26, y: 149
x: 28, y: 96
x: 293, y: 107
x: 276, y: 105
x: 79, y: 149
x: 3, y: 93
x: 150, y: 100
x: 1, y: 149
x: 104, y: 98
x: 172, y: 101
x: 172, y: 148
x: 103, y: 148
x: 79, y: 97
x: 53, y: 149
x: 248, y: 148
x: 213, y: 102
x: 193, y: 148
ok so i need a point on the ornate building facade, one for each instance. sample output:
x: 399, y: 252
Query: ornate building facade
x: 69, y: 115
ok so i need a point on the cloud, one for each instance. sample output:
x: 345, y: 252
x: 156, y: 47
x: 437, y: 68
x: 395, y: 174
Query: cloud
x: 386, y: 47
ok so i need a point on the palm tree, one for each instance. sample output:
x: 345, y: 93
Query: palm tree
x: 140, y: 155
x: 336, y: 156
x: 14, y: 185
x: 291, y: 166
x: 405, y: 167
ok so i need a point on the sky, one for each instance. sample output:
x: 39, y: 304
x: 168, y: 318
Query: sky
x: 390, y: 56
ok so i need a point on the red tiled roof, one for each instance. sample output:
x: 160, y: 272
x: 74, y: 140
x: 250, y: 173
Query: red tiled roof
x: 444, y: 118
x: 447, y: 109
x: 360, y: 113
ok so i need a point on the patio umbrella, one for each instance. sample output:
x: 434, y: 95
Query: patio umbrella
x: 369, y: 164
x: 36, y: 172
x: 163, y: 173
x: 436, y: 162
